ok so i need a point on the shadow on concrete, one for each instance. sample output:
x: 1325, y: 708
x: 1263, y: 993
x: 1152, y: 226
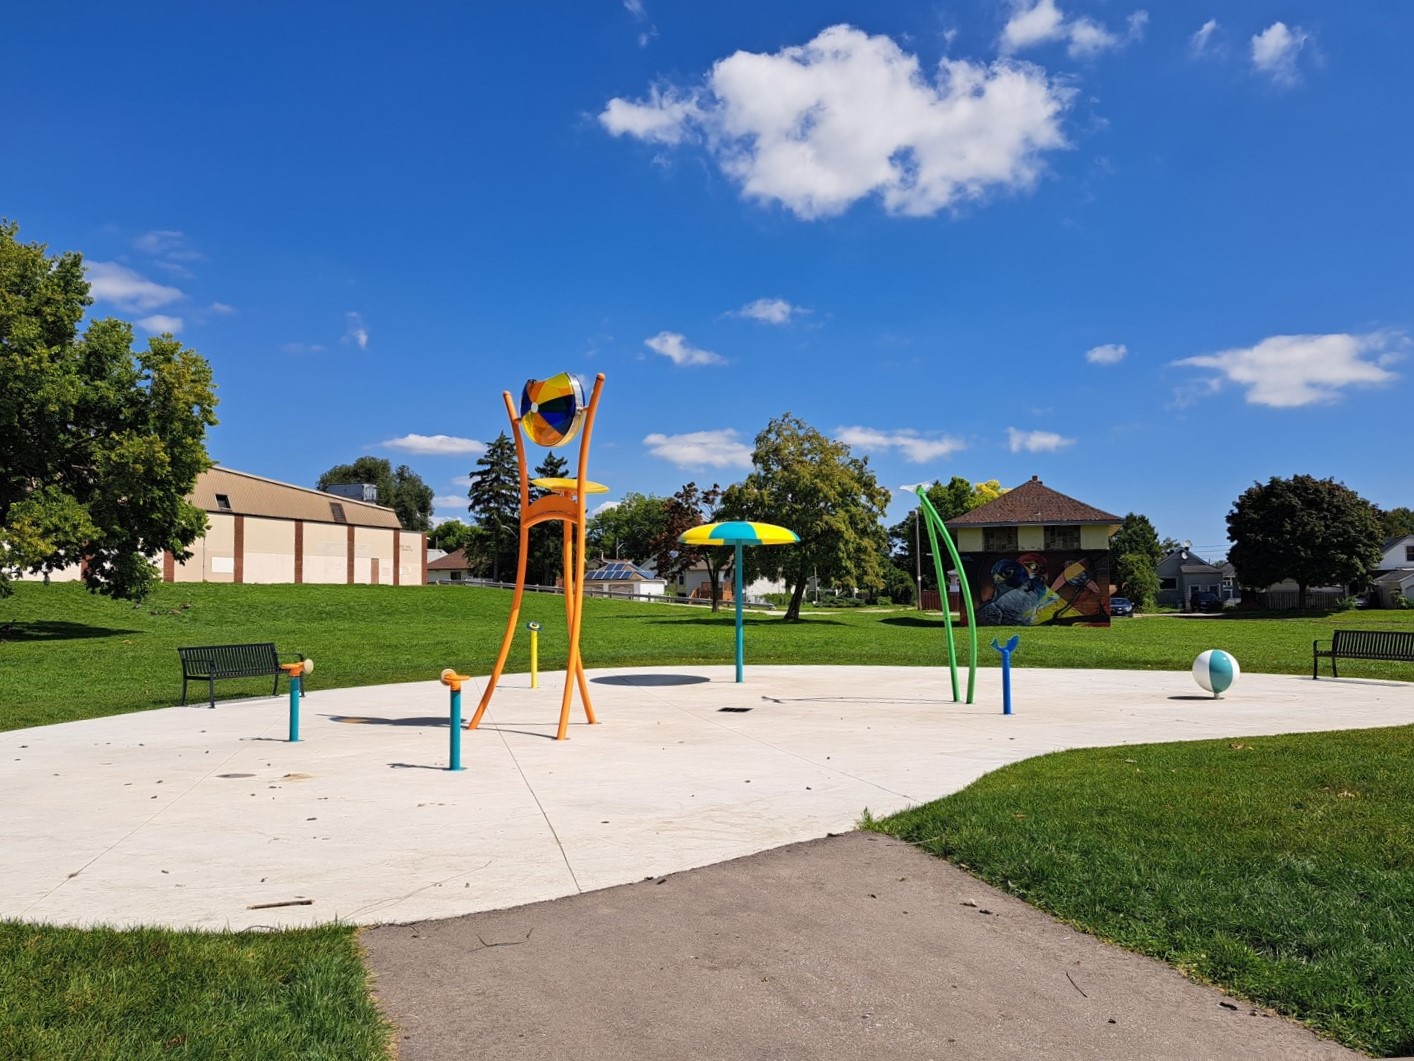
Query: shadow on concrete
x: 634, y: 680
x: 372, y: 720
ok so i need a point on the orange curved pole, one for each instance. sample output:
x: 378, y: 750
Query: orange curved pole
x: 575, y: 666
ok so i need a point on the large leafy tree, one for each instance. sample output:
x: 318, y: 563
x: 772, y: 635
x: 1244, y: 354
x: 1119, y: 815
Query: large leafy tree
x: 813, y: 485
x: 1312, y: 531
x: 100, y: 445
x: 402, y: 489
x: 1135, y: 552
x: 629, y: 529
x: 1397, y: 522
x: 450, y: 535
x: 691, y: 507
x: 494, y: 499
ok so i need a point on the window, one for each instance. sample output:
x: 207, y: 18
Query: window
x: 223, y: 502
x: 1168, y: 583
x: 1062, y: 538
x: 1409, y: 552
x: 999, y: 539
x: 337, y: 511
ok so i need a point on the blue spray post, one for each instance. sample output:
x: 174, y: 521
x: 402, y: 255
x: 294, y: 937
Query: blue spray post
x: 453, y: 681
x: 1006, y: 651
x: 295, y: 671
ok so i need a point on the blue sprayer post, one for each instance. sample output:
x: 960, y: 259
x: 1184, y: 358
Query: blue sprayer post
x: 453, y: 680
x: 294, y: 671
x: 1006, y: 651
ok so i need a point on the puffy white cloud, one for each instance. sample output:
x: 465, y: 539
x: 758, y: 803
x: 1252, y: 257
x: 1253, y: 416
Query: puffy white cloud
x: 1043, y: 21
x: 1036, y: 441
x: 770, y: 311
x: 435, y: 445
x: 914, y: 446
x: 126, y: 288
x: 167, y: 243
x: 816, y: 127
x: 1286, y: 371
x: 681, y: 352
x: 1275, y: 52
x: 1109, y: 354
x: 220, y: 308
x: 701, y: 449
x: 462, y: 480
x: 161, y: 322
x: 1199, y: 43
x: 355, y: 331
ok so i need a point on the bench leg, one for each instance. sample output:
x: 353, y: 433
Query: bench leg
x: 184, y: 690
x: 1334, y: 673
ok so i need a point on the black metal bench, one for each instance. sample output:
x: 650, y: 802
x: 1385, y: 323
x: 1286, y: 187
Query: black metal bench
x: 208, y: 663
x: 1393, y: 645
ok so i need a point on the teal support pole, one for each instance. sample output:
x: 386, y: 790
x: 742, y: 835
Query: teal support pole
x: 455, y: 751
x: 740, y: 652
x: 294, y: 708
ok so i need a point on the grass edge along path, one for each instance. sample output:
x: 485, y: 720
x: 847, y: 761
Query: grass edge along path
x: 1280, y: 869
x: 147, y: 993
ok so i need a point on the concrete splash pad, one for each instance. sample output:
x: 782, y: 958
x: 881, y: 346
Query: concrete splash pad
x: 197, y: 818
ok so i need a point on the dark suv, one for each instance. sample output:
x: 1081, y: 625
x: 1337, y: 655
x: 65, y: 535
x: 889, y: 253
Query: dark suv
x: 1207, y: 602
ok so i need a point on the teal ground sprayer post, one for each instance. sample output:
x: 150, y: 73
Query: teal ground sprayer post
x: 453, y: 681
x: 1006, y: 651
x: 295, y: 671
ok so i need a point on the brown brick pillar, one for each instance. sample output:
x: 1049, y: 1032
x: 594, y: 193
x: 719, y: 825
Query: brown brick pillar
x: 169, y: 566
x: 350, y: 551
x: 299, y: 552
x: 239, y: 550
x: 397, y: 558
x: 422, y: 545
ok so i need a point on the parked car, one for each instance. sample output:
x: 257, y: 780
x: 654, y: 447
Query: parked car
x: 1121, y: 606
x: 1207, y: 602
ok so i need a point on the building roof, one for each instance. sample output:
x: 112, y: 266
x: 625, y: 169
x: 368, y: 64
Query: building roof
x: 453, y: 561
x: 1033, y: 502
x: 618, y: 571
x: 1200, y: 569
x: 250, y: 495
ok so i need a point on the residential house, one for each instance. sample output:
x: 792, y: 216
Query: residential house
x: 1183, y: 574
x: 1394, y: 580
x: 619, y: 577
x: 1035, y: 555
x: 449, y: 567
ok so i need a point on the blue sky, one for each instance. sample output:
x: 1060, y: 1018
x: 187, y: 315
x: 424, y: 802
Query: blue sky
x: 1150, y: 255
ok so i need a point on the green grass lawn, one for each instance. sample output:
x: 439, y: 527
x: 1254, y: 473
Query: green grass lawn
x: 92, y: 995
x: 70, y: 655
x: 1280, y: 868
x: 1287, y: 850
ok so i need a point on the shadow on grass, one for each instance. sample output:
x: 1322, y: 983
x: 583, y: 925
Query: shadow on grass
x: 916, y: 620
x: 46, y: 631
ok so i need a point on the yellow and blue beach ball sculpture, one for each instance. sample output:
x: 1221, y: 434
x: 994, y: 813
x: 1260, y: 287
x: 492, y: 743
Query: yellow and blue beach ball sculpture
x: 1216, y: 671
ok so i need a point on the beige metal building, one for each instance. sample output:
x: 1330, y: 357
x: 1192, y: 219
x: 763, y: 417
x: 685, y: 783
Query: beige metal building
x: 261, y: 530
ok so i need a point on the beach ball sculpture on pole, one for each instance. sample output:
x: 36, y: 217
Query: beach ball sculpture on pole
x: 553, y: 412
x: 1216, y: 671
x: 738, y: 533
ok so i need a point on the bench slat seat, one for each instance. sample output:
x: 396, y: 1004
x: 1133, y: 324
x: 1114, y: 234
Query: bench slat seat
x: 1395, y: 646
x: 209, y: 663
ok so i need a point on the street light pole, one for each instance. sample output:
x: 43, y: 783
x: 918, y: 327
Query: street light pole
x: 918, y: 559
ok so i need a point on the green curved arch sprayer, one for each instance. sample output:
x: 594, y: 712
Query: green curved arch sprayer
x: 937, y: 529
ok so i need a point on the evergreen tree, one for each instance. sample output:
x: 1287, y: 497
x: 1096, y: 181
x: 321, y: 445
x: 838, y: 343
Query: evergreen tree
x: 494, y: 499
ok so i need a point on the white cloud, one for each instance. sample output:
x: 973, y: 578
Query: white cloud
x: 1275, y: 51
x: 1286, y: 371
x: 435, y: 445
x: 355, y: 331
x: 701, y: 449
x: 680, y: 352
x: 770, y: 311
x: 819, y: 126
x: 449, y: 501
x: 462, y: 480
x: 1036, y: 441
x: 1199, y: 42
x: 1109, y: 354
x: 127, y: 289
x: 914, y: 446
x: 221, y: 308
x: 160, y: 322
x: 605, y: 507
x: 301, y: 348
x: 1043, y: 21
x: 635, y: 8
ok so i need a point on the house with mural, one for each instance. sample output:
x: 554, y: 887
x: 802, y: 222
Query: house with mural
x: 1036, y: 556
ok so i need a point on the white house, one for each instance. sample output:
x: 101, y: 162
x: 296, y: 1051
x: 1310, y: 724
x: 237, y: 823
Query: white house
x: 1395, y: 577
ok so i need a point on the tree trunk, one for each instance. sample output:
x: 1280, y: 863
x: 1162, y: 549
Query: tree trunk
x: 1301, y: 596
x: 793, y: 609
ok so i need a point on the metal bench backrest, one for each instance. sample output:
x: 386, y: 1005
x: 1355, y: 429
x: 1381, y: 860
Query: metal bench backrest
x: 1373, y: 644
x: 233, y: 661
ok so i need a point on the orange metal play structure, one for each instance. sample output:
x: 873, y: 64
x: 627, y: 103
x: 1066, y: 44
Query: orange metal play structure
x: 551, y: 413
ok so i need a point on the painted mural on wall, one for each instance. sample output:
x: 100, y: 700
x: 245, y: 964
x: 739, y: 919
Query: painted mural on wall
x: 1069, y: 587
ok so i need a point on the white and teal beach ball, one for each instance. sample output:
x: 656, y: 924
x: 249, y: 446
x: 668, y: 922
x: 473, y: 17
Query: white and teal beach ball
x: 1216, y: 671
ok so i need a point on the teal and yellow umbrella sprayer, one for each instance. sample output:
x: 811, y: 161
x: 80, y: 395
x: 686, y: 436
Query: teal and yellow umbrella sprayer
x: 738, y: 533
